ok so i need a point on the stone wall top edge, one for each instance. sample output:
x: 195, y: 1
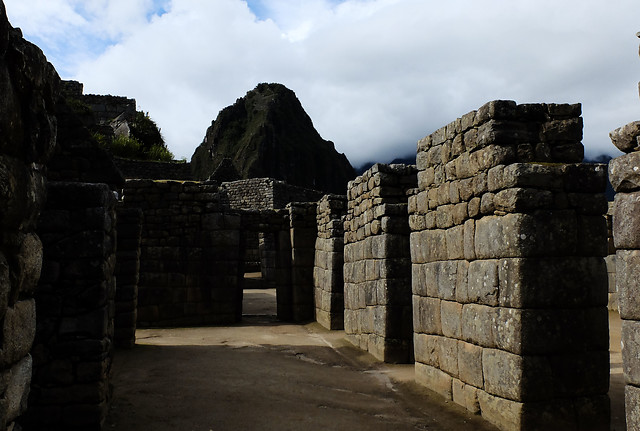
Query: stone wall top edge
x: 507, y: 110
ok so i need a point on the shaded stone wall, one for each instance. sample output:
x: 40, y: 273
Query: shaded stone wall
x: 72, y: 352
x: 303, y: 232
x: 266, y: 193
x: 625, y: 179
x: 328, y: 276
x: 189, y: 256
x: 29, y: 87
x: 509, y: 280
x: 127, y: 275
x: 377, y: 265
x: 108, y: 107
x: 272, y: 228
x: 149, y: 170
x: 610, y: 260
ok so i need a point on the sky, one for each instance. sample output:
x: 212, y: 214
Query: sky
x: 375, y: 76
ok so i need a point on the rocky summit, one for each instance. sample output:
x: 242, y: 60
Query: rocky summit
x: 267, y: 133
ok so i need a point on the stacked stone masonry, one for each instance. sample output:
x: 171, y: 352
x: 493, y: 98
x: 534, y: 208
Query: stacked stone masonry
x: 151, y: 170
x: 377, y: 266
x: 625, y: 178
x: 509, y: 281
x: 27, y: 140
x: 272, y: 229
x: 189, y: 254
x: 265, y: 193
x: 328, y: 276
x: 303, y: 232
x: 127, y: 275
x: 72, y: 352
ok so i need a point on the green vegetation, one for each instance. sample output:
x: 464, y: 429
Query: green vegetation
x: 145, y: 141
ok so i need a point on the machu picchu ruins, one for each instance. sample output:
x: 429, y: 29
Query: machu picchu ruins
x: 494, y: 272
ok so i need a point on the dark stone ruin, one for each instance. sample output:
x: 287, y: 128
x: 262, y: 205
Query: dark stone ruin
x: 483, y: 265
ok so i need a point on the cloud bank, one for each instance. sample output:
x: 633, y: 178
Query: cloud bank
x: 374, y: 75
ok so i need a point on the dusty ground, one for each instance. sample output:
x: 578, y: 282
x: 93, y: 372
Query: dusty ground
x: 265, y: 375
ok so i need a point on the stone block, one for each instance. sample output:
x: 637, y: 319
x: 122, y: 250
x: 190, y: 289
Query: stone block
x: 466, y: 396
x: 16, y: 393
x: 483, y: 282
x: 427, y: 315
x: 541, y: 233
x: 455, y: 242
x: 522, y: 199
x: 552, y: 282
x: 628, y: 283
x: 517, y: 378
x: 477, y: 324
x: 630, y: 337
x: 434, y: 379
x: 592, y: 235
x: 451, y: 318
x: 632, y: 406
x: 626, y: 223
x: 539, y: 332
x: 426, y: 349
x: 18, y: 331
x: 625, y: 137
x: 470, y: 364
x: 426, y: 246
x: 503, y: 413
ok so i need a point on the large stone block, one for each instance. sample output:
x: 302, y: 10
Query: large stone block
x: 427, y: 315
x: 625, y: 137
x: 477, y: 324
x: 552, y: 282
x: 451, y: 318
x: 626, y: 223
x: 18, y: 331
x: 483, y: 282
x: 630, y: 336
x: 470, y: 364
x: 434, y: 379
x: 541, y: 233
x: 627, y: 272
x: 515, y: 377
x: 466, y: 396
x: 632, y: 406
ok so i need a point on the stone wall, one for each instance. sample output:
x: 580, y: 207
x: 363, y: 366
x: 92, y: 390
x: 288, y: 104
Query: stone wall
x: 127, y: 275
x: 106, y: 108
x: 29, y: 87
x: 266, y: 193
x: 303, y: 232
x: 623, y: 174
x: 189, y: 256
x: 610, y: 260
x: 509, y: 281
x: 148, y: 170
x: 72, y: 352
x: 377, y: 266
x: 272, y: 229
x: 328, y: 276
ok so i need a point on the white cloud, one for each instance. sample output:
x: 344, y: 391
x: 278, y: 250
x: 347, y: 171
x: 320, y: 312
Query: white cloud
x: 374, y: 75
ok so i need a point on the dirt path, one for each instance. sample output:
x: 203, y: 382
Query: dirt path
x: 264, y: 375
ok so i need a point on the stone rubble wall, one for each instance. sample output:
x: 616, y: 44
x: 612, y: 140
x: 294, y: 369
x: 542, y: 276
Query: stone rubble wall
x: 265, y: 193
x: 509, y: 281
x: 127, y: 275
x: 303, y: 232
x: 377, y: 265
x: 152, y: 170
x: 107, y: 107
x: 189, y: 255
x: 72, y: 352
x: 625, y: 179
x: 328, y: 273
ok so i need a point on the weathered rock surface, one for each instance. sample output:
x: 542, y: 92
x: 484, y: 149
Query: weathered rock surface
x: 267, y: 133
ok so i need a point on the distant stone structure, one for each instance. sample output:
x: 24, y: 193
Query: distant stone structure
x: 105, y: 108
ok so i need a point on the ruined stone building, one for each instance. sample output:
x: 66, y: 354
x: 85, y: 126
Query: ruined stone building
x: 483, y: 265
